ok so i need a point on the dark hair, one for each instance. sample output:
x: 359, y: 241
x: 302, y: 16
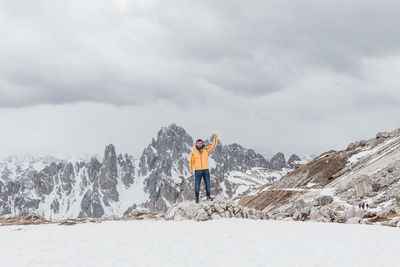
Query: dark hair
x: 199, y: 140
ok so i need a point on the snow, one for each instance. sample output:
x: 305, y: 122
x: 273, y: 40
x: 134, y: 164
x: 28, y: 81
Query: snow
x: 356, y: 157
x: 176, y: 175
x: 310, y: 184
x: 19, y: 167
x: 223, y: 242
x: 251, y: 179
x: 382, y: 155
x: 128, y: 196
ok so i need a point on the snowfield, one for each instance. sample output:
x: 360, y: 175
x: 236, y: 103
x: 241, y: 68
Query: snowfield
x: 224, y: 242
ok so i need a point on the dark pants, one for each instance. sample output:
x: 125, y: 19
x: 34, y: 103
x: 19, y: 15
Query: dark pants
x: 206, y: 175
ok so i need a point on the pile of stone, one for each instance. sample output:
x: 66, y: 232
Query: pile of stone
x: 210, y: 210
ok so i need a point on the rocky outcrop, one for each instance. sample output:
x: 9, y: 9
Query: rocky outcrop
x: 294, y: 161
x: 210, y: 210
x: 331, y: 187
x: 363, y: 186
x: 278, y: 161
x: 323, y: 201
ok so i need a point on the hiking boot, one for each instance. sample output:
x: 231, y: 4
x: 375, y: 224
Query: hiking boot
x: 197, y: 200
x: 209, y: 198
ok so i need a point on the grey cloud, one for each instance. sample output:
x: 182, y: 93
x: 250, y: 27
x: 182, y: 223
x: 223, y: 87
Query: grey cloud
x: 63, y: 52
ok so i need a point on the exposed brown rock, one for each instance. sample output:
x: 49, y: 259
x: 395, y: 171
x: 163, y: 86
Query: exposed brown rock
x: 268, y: 198
x: 321, y: 171
x: 17, y: 220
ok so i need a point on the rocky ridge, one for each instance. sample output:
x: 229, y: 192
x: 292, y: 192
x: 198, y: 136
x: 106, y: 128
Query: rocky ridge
x: 331, y: 187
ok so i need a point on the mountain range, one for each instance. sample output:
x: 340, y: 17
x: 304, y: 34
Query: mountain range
x: 88, y: 188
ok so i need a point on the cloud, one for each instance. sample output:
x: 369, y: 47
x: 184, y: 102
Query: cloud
x: 292, y: 76
x: 134, y: 52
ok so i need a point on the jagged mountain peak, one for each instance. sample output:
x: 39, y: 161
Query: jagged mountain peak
x: 294, y: 161
x: 234, y: 146
x: 110, y: 154
x: 293, y: 158
x: 172, y: 138
x: 278, y: 161
x: 174, y: 131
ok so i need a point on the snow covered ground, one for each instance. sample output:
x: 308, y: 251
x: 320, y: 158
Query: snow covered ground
x: 224, y: 242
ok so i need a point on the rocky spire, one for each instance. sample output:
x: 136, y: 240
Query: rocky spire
x: 171, y: 143
x: 278, y: 161
x: 294, y: 161
x: 108, y: 174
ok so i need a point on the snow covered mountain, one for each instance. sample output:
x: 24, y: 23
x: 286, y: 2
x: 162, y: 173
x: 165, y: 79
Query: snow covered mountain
x: 15, y: 168
x: 331, y: 187
x: 120, y: 183
x: 21, y: 167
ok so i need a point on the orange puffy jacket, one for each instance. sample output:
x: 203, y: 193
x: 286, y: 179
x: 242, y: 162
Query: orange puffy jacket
x: 200, y: 160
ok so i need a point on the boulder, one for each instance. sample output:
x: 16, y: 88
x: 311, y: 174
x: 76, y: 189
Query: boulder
x: 323, y: 201
x: 211, y: 210
x: 363, y: 186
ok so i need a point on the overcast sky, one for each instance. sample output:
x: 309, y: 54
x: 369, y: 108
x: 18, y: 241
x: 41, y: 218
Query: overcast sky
x: 292, y: 76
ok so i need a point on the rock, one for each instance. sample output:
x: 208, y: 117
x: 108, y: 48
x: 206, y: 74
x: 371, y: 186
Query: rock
x: 382, y: 135
x: 291, y: 211
x: 239, y: 215
x: 219, y: 208
x: 70, y: 222
x: 130, y: 210
x: 201, y: 215
x: 278, y: 161
x: 293, y: 158
x: 299, y: 204
x: 323, y: 201
x: 215, y: 216
x: 352, y: 212
x: 294, y: 161
x: 18, y: 220
x: 363, y: 186
x: 354, y: 220
x: 302, y: 215
x: 394, y: 222
x: 136, y: 213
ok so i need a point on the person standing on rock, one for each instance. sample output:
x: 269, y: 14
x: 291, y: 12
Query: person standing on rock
x: 199, y: 162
